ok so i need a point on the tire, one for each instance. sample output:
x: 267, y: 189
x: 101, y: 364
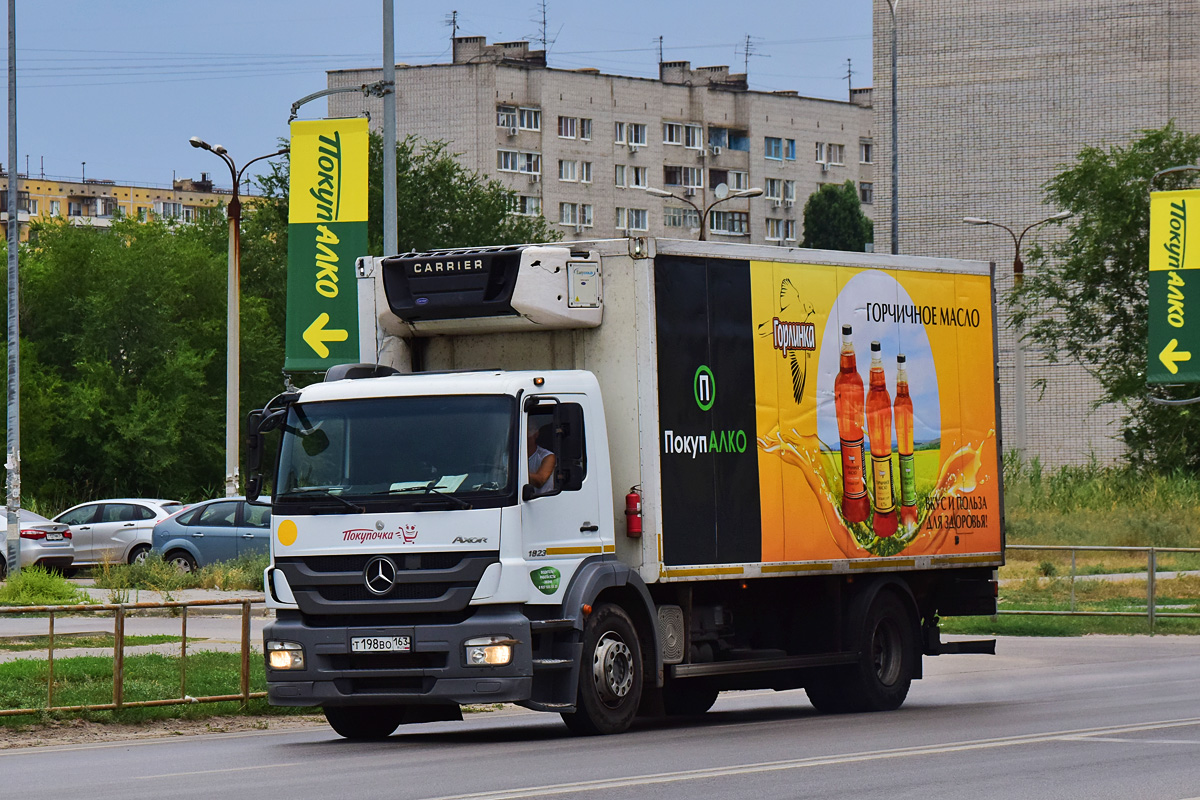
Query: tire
x: 685, y: 699
x: 3, y: 568
x: 138, y: 554
x: 611, y: 675
x: 182, y: 560
x: 881, y: 678
x: 364, y: 722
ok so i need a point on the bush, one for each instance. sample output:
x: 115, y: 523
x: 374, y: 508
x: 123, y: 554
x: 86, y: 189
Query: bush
x: 37, y: 586
x: 156, y: 575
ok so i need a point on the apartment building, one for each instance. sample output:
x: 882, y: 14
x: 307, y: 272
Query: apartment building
x: 580, y: 147
x: 97, y: 202
x: 993, y: 101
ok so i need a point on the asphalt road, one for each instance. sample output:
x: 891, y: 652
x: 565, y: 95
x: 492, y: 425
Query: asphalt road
x: 1095, y: 717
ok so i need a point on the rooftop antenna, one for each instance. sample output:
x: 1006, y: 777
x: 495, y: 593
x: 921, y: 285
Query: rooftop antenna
x: 452, y: 21
x: 660, y: 59
x: 849, y: 86
x: 542, y: 35
x: 747, y: 49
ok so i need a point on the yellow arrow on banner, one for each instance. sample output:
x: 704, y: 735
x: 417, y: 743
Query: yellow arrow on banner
x: 1170, y: 356
x: 316, y: 336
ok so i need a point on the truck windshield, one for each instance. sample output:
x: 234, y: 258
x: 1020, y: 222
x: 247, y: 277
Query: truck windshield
x: 400, y: 451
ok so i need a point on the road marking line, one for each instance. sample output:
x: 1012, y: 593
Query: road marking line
x: 1097, y: 738
x: 213, y: 771
x: 816, y: 761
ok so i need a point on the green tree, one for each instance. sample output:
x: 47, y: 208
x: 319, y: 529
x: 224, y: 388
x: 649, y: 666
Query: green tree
x: 833, y: 219
x: 1085, y: 301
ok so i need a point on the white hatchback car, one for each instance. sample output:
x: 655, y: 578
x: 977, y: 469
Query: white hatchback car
x: 115, y: 531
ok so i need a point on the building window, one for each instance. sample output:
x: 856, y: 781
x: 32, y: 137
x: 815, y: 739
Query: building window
x: 530, y: 119
x: 693, y: 137
x: 731, y: 223
x: 774, y: 229
x: 774, y: 189
x: 638, y: 219
x: 169, y: 210
x: 585, y: 172
x: 141, y: 213
x: 620, y: 223
x: 866, y: 193
x: 585, y: 215
x: 568, y: 214
x: 528, y: 206
x: 672, y: 133
x: 637, y: 133
x: 789, y: 230
x: 673, y: 176
x: 789, y: 192
x: 620, y: 176
x: 506, y: 117
x: 33, y: 207
x: 789, y: 149
x: 638, y: 177
x: 820, y: 152
x: 531, y: 163
x: 681, y: 218
x: 738, y: 180
x: 567, y: 127
x: 729, y: 138
x: 74, y: 209
x: 866, y: 152
x: 507, y: 160
x: 837, y: 153
x: 619, y: 132
x: 585, y: 128
x: 568, y: 170
x: 55, y: 208
x: 773, y: 148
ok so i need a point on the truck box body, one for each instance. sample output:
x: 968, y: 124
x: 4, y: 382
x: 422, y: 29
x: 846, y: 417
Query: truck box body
x: 703, y: 374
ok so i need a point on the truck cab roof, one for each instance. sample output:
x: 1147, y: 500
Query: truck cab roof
x: 454, y: 383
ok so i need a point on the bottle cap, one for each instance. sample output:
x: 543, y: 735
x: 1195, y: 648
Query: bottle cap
x: 846, y: 330
x: 900, y: 358
x: 875, y: 347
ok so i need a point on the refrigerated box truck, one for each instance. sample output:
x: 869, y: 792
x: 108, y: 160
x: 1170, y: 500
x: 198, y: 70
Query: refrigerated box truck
x: 771, y: 468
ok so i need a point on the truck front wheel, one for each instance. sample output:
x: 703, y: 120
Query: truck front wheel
x: 610, y: 677
x: 364, y: 722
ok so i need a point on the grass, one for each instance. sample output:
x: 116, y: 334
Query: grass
x: 88, y: 680
x: 66, y: 641
x: 155, y: 574
x: 37, y: 586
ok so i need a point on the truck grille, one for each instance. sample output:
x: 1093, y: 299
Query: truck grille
x: 425, y: 582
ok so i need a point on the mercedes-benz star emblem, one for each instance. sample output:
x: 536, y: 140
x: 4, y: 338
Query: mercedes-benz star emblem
x: 380, y: 575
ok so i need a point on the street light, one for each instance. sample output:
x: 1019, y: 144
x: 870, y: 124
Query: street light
x: 895, y: 148
x: 722, y: 196
x: 234, y: 340
x: 1019, y: 332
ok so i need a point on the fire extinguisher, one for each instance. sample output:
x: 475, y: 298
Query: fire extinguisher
x: 633, y: 513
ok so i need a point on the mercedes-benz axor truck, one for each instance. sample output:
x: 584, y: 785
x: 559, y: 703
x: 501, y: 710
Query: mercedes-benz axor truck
x: 768, y: 468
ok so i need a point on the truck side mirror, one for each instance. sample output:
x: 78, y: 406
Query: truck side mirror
x: 528, y: 492
x: 254, y: 441
x: 253, y: 487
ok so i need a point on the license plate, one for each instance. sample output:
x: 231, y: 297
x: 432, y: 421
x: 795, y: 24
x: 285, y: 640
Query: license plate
x: 380, y: 644
x: 53, y: 537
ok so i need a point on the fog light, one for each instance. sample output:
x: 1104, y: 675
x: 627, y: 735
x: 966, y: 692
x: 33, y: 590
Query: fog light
x: 489, y: 651
x: 285, y: 655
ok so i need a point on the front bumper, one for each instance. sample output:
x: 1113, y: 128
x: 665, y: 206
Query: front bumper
x: 434, y: 672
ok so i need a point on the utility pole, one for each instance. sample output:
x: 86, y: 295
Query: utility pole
x: 390, y: 233
x: 13, y: 460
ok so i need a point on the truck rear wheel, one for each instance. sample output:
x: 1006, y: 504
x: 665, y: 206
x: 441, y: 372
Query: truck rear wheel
x: 364, y: 722
x: 610, y: 677
x: 881, y: 678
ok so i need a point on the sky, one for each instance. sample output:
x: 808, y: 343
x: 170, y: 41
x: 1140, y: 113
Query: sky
x: 123, y: 84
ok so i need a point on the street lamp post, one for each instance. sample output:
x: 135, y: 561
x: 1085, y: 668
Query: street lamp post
x: 233, y: 348
x: 895, y: 147
x: 1019, y: 331
x: 721, y: 198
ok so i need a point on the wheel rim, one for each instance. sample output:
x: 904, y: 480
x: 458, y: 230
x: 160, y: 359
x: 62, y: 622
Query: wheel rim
x: 140, y: 556
x: 612, y: 669
x: 886, y: 652
x: 182, y: 563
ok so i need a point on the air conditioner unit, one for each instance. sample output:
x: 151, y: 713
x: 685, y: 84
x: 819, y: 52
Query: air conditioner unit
x: 534, y: 178
x: 776, y: 203
x: 633, y: 148
x: 789, y: 203
x: 716, y: 151
x: 579, y: 228
x: 824, y: 166
x: 512, y: 131
x: 689, y: 192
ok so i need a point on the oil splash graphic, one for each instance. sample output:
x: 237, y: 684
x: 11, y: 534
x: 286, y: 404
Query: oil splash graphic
x: 959, y: 474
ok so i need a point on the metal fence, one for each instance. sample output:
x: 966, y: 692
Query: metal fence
x: 118, y: 694
x: 1151, y: 613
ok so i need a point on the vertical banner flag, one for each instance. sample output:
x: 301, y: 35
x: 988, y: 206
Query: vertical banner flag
x: 327, y: 231
x: 1173, y: 340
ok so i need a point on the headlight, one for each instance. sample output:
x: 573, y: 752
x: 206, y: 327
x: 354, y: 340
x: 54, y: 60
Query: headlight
x: 489, y: 651
x: 285, y: 655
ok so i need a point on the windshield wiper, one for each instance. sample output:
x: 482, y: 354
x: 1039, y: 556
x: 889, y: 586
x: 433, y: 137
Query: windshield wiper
x: 430, y: 488
x: 357, y: 509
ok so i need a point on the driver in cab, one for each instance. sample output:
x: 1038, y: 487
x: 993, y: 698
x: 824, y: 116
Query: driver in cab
x: 541, y: 462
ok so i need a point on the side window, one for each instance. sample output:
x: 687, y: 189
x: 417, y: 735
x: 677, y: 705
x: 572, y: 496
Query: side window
x: 560, y: 430
x: 119, y: 512
x: 143, y: 512
x: 256, y: 516
x: 79, y: 516
x: 218, y: 515
x: 188, y: 517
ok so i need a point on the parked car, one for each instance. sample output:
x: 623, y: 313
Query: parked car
x: 43, y: 542
x: 215, y: 530
x: 115, y: 531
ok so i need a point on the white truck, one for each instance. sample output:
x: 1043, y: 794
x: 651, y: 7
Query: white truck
x: 715, y: 518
